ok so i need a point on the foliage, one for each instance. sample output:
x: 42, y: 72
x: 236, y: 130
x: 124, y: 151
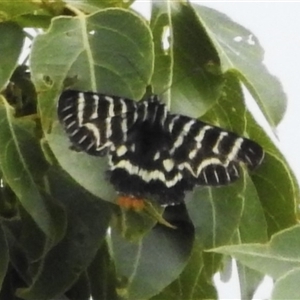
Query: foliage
x: 61, y: 234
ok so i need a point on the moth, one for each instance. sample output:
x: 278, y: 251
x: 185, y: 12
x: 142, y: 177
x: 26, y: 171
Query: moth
x: 152, y: 153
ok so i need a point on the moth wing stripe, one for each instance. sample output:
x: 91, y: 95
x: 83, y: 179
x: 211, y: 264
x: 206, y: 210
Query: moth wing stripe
x: 70, y: 124
x: 188, y: 126
x: 172, y: 122
x: 218, y: 142
x: 207, y: 162
x: 121, y: 150
x: 67, y: 117
x: 124, y: 129
x: 108, y: 128
x: 80, y: 108
x: 153, y: 117
x: 146, y: 175
x: 168, y: 164
x: 123, y: 106
x: 178, y: 143
x: 184, y: 132
x: 193, y: 153
x: 235, y: 149
x: 205, y: 177
x: 94, y: 115
x: 156, y: 156
x: 107, y: 144
x: 110, y: 101
x: 67, y: 108
x: 227, y: 175
x: 74, y: 132
x: 248, y: 160
x: 135, y: 116
x: 201, y: 134
x: 235, y: 171
x: 95, y: 131
x: 92, y: 143
x: 82, y: 139
x: 216, y: 176
x: 145, y: 109
x: 188, y: 167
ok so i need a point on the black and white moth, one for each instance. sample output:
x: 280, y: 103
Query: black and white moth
x: 153, y: 154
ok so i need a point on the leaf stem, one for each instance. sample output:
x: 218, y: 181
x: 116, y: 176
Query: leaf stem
x: 75, y: 10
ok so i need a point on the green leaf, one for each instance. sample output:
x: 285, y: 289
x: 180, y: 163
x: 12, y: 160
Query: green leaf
x: 4, y: 254
x: 34, y: 21
x: 81, y: 288
x: 209, y: 211
x: 30, y: 238
x: 7, y: 289
x: 239, y: 49
x: 192, y: 283
x: 287, y: 286
x: 14, y: 8
x: 146, y: 267
x: 252, y: 219
x: 23, y: 166
x: 109, y: 52
x: 191, y: 62
x: 30, y: 14
x: 275, y: 258
x: 278, y: 201
x: 249, y: 281
x: 266, y: 207
x: 278, y: 190
x: 253, y: 228
x: 8, y: 202
x: 12, y: 38
x: 197, y: 77
x: 133, y: 225
x: 17, y: 273
x: 88, y: 219
x: 102, y: 275
x: 88, y: 171
x: 163, y: 63
x: 91, y: 6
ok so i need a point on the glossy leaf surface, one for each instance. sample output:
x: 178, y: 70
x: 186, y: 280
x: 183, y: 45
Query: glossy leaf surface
x: 12, y: 38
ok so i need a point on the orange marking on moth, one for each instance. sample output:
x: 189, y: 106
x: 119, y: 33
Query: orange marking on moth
x: 130, y: 202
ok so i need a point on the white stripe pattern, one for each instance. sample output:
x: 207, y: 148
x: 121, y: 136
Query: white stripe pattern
x: 235, y: 149
x: 146, y: 175
x: 108, y: 128
x: 110, y: 100
x: 201, y: 134
x: 217, y: 144
x: 94, y: 130
x: 172, y: 123
x: 94, y: 115
x: 123, y: 106
x: 80, y: 109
